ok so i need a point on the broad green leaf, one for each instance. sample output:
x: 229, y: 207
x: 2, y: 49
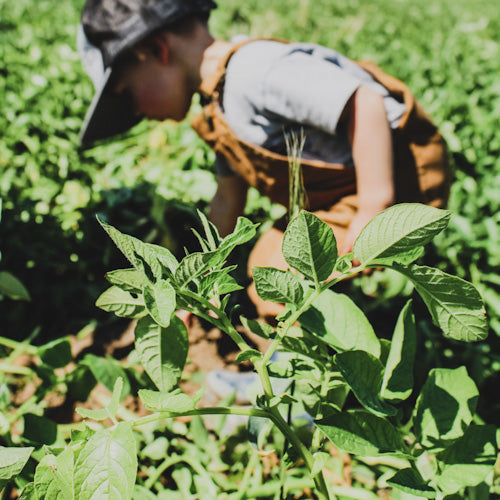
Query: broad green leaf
x: 217, y: 283
x: 244, y: 231
x: 39, y: 430
x: 212, y: 236
x: 110, y: 410
x: 455, y: 305
x: 363, y: 372
x: 249, y: 354
x: 410, y: 481
x: 129, y: 280
x: 106, y: 371
x: 259, y: 328
x: 107, y: 465
x: 397, y: 384
x: 309, y: 246
x: 175, y: 401
x: 150, y: 259
x: 164, y: 256
x: 192, y: 266
x: 54, y: 476
x: 362, y: 433
x: 121, y: 302
x: 469, y: 460
x: 398, y: 230
x: 277, y: 286
x: 56, y: 353
x: 335, y: 319
x: 28, y: 492
x: 162, y: 351
x: 160, y: 301
x: 445, y: 407
x: 12, y: 287
x: 12, y: 462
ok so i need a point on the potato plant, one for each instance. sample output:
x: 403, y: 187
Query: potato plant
x: 327, y: 351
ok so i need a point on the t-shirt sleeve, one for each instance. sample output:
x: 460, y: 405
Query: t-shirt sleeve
x: 305, y: 89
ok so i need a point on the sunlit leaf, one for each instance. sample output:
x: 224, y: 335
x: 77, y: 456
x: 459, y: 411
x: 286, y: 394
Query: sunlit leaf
x: 455, y: 305
x: 162, y: 351
x: 445, y: 407
x: 309, y: 246
x: 363, y: 372
x: 399, y: 229
x: 362, y: 433
x: 397, y: 384
x: 336, y: 320
x: 277, y: 286
x: 107, y: 465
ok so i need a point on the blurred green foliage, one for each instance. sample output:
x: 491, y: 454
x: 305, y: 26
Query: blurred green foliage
x: 158, y: 174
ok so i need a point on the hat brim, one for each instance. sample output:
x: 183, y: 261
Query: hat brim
x: 109, y: 114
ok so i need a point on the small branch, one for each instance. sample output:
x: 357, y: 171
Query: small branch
x: 235, y: 410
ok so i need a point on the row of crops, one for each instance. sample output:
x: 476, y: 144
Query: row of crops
x: 151, y: 183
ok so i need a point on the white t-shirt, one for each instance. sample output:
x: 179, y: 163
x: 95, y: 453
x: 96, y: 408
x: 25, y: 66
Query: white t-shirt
x: 272, y: 89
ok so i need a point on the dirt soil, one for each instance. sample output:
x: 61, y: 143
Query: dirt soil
x: 209, y: 349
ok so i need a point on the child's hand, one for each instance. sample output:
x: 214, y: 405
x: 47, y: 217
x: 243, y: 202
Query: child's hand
x: 359, y: 221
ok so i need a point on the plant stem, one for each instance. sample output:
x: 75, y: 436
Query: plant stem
x: 19, y: 346
x: 16, y: 370
x: 217, y: 410
x: 319, y: 480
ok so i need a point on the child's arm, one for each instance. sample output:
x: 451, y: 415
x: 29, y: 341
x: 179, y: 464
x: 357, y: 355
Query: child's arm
x: 371, y: 142
x: 228, y: 203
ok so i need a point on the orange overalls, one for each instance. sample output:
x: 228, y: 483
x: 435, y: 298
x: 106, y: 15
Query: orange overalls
x: 421, y: 168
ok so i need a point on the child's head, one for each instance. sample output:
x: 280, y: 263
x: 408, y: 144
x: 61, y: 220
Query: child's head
x: 124, y: 47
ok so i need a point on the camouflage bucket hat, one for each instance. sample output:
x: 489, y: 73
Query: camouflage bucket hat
x: 107, y: 30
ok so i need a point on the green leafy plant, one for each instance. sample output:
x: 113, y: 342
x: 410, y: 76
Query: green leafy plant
x: 328, y: 350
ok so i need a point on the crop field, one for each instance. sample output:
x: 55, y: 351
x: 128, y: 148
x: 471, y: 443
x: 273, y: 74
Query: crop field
x: 382, y: 385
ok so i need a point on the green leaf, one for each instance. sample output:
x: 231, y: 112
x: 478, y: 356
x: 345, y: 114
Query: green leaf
x: 277, y: 286
x: 121, y: 302
x: 147, y: 258
x: 397, y: 384
x: 12, y: 462
x: 397, y: 230
x: 445, y: 407
x: 164, y: 256
x: 410, y: 481
x: 336, y: 320
x: 12, y: 287
x: 56, y: 353
x: 257, y: 327
x: 39, y: 430
x: 362, y: 433
x: 107, y: 371
x: 455, y: 305
x: 309, y: 246
x: 110, y: 410
x: 192, y: 266
x: 218, y: 283
x: 54, y: 476
x: 249, y: 354
x: 175, y: 401
x: 130, y: 280
x: 160, y: 301
x: 28, y: 492
x: 244, y: 231
x: 469, y: 460
x: 162, y: 351
x: 363, y: 372
x: 107, y: 465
